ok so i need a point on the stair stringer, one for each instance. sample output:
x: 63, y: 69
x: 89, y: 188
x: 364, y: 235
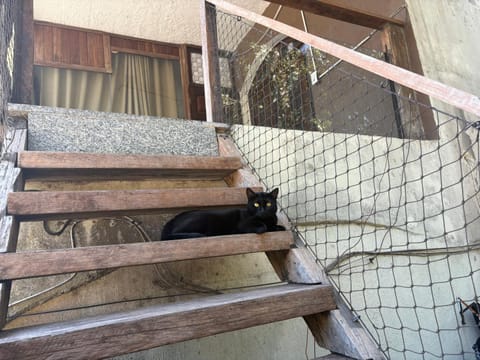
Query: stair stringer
x: 335, y: 330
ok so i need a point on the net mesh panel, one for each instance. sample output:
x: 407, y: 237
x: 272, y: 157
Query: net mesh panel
x: 8, y: 10
x: 391, y: 214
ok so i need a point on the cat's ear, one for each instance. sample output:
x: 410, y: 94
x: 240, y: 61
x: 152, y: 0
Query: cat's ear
x: 274, y: 193
x: 250, y: 193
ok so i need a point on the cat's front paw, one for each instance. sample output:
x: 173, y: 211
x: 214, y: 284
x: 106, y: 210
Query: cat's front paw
x: 279, y: 228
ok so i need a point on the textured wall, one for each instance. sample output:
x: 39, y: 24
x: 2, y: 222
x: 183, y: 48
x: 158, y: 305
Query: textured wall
x: 174, y: 21
x: 446, y: 32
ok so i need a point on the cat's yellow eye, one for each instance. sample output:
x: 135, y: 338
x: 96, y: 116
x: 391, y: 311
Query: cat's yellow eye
x: 269, y: 204
x: 256, y: 204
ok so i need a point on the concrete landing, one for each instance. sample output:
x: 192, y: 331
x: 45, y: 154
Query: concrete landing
x: 70, y: 130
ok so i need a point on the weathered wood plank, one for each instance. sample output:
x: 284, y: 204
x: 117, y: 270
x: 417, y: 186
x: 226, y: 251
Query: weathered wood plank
x: 52, y: 262
x: 436, y: 89
x: 55, y: 164
x: 76, y: 184
x: 83, y: 204
x: 10, y: 181
x: 340, y: 12
x: 120, y: 333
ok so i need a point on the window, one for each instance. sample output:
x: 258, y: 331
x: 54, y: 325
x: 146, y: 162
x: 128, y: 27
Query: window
x: 138, y: 84
x: 84, y: 69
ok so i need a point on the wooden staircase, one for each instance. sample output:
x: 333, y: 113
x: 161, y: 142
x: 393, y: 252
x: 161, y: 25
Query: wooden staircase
x: 305, y: 292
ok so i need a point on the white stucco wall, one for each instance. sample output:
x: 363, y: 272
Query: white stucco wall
x: 447, y: 35
x: 447, y: 32
x: 173, y: 21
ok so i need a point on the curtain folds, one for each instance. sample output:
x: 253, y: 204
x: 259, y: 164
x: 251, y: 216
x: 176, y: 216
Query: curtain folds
x: 138, y: 85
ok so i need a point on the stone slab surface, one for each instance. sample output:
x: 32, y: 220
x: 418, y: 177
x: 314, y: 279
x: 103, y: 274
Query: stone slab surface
x: 53, y: 129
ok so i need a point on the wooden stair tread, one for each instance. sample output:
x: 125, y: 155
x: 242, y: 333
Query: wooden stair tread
x: 64, y: 165
x: 60, y: 261
x: 40, y: 205
x: 135, y: 330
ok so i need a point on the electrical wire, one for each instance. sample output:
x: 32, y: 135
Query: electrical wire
x: 165, y: 276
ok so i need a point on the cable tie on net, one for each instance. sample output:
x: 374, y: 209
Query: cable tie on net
x: 475, y: 125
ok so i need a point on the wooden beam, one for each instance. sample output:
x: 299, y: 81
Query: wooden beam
x: 445, y: 93
x: 41, y: 164
x: 334, y: 330
x: 10, y: 181
x: 53, y: 262
x: 120, y: 333
x: 84, y: 204
x: 210, y: 62
x: 345, y: 13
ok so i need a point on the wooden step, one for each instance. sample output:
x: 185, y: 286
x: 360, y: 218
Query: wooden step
x: 52, y: 262
x: 41, y: 205
x: 65, y: 166
x: 120, y: 333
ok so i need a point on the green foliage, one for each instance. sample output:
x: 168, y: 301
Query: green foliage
x: 287, y: 70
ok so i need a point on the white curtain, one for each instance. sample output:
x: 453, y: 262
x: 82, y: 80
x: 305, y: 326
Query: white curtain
x: 138, y: 85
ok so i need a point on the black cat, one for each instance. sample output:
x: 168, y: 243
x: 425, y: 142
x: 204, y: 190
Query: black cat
x: 258, y: 217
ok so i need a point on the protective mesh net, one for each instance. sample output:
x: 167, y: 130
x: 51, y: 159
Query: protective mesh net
x: 382, y: 188
x: 8, y: 11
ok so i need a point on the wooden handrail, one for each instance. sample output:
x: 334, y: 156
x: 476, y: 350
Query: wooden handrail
x: 433, y: 88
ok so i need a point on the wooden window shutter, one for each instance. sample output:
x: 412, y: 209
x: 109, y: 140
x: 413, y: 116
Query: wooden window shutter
x: 72, y: 48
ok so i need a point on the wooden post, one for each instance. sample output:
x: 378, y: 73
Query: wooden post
x: 211, y: 67
x: 415, y: 123
x: 23, y: 67
x: 185, y: 75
